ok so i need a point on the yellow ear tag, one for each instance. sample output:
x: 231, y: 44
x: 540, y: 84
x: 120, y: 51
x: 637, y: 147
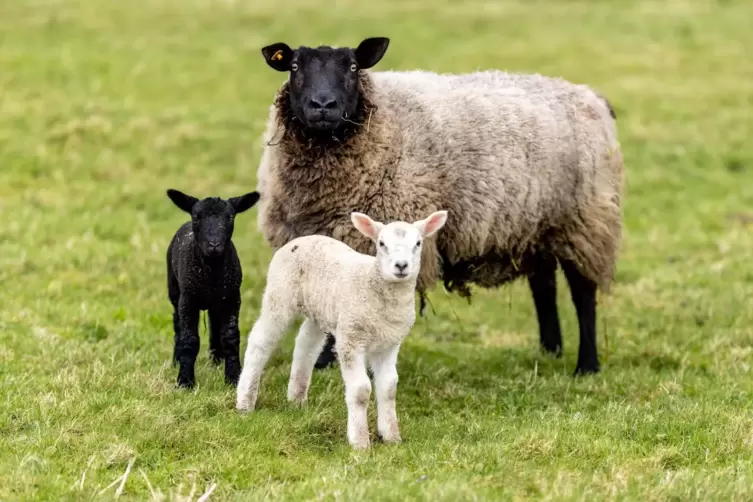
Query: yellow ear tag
x: 277, y: 55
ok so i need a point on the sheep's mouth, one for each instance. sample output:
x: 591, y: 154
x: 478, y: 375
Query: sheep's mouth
x: 213, y: 253
x: 324, y: 124
x: 401, y: 275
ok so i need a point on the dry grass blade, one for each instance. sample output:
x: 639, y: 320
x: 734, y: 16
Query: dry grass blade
x: 119, y: 491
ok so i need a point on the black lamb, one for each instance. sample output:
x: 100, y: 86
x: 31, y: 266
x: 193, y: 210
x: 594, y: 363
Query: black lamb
x: 204, y: 273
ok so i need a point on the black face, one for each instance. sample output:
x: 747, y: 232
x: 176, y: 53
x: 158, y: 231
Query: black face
x: 323, y: 83
x: 212, y: 219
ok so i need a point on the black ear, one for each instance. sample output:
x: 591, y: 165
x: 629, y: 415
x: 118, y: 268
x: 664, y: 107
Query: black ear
x: 183, y: 201
x: 278, y: 56
x: 370, y: 51
x: 244, y: 202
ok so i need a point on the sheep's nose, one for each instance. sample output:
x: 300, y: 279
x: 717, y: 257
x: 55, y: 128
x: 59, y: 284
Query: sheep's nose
x: 323, y: 102
x: 214, y: 244
x: 401, y: 265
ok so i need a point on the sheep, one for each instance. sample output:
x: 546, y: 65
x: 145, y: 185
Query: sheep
x: 367, y: 301
x: 204, y: 273
x: 529, y: 167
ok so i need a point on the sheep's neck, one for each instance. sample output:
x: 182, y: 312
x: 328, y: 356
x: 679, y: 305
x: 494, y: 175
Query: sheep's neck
x: 392, y: 292
x: 210, y: 265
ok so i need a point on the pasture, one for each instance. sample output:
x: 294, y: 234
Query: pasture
x: 104, y: 105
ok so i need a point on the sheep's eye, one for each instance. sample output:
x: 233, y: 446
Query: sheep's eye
x: 418, y: 244
x: 354, y: 67
x: 381, y: 244
x: 294, y: 67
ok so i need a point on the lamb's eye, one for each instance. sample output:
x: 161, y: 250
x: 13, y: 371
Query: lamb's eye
x: 354, y: 67
x: 418, y: 244
x: 381, y: 244
x: 294, y: 67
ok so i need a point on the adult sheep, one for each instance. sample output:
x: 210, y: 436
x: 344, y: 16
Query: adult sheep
x: 529, y: 168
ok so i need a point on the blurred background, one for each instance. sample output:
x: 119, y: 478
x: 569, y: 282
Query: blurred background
x: 106, y: 104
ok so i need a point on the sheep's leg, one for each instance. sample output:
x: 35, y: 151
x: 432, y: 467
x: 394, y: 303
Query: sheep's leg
x: 174, y: 294
x: 187, y: 345
x: 176, y: 335
x: 357, y: 393
x: 543, y: 283
x: 308, y: 343
x: 215, y: 339
x: 224, y: 319
x: 327, y: 357
x: 384, y: 365
x: 262, y: 341
x: 583, y: 293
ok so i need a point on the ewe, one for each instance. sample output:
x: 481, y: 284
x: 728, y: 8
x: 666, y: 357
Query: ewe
x: 529, y: 168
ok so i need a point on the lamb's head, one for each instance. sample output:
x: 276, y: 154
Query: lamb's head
x: 399, y: 243
x: 212, y: 219
x: 324, y: 83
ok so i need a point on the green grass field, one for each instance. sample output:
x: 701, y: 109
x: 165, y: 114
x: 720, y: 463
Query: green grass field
x: 104, y: 104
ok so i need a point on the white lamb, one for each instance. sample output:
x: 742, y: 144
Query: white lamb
x: 367, y: 302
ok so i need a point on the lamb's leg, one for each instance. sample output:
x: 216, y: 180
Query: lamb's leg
x: 173, y: 290
x: 176, y: 335
x: 543, y: 283
x: 308, y: 343
x: 357, y: 393
x: 187, y: 346
x: 583, y: 293
x: 224, y: 319
x: 215, y: 338
x: 384, y: 365
x: 327, y: 356
x: 262, y: 341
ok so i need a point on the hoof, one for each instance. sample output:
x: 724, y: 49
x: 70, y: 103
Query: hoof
x: 552, y: 350
x: 391, y: 439
x: 185, y: 383
x: 326, y: 359
x: 583, y: 370
x: 360, y: 445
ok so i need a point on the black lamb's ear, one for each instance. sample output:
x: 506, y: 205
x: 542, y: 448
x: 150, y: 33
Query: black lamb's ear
x: 183, y: 201
x: 278, y: 56
x: 371, y: 51
x: 244, y: 202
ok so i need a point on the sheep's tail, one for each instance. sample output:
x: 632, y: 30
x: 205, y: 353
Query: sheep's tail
x: 609, y: 105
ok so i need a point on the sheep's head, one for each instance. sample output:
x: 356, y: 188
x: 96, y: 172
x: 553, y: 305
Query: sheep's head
x: 324, y: 83
x: 212, y: 219
x: 399, y: 243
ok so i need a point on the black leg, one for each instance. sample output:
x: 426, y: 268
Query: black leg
x: 173, y: 292
x: 215, y: 339
x: 327, y: 357
x: 187, y: 347
x: 543, y: 283
x: 225, y: 319
x: 176, y: 335
x: 583, y: 292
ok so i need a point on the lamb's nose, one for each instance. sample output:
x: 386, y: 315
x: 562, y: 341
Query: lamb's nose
x: 401, y: 265
x: 214, y: 244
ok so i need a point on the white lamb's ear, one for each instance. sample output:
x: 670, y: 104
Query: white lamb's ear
x: 366, y: 225
x: 430, y: 225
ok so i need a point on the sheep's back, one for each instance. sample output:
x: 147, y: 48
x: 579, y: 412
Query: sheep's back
x: 514, y: 155
x: 514, y: 158
x: 316, y: 273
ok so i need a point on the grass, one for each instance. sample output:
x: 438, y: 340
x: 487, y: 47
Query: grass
x: 104, y: 104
